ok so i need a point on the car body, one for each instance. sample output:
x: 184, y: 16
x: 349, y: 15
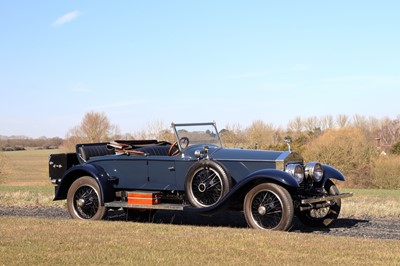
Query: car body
x: 196, y: 174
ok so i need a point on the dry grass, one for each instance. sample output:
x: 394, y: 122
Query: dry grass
x: 71, y: 242
x: 372, y: 203
x: 26, y: 167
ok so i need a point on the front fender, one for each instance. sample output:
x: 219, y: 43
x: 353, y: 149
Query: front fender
x: 260, y: 176
x: 102, y: 178
x: 331, y: 172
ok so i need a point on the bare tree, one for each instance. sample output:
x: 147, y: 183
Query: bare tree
x: 95, y: 127
x: 261, y: 135
x: 311, y: 123
x: 233, y: 136
x: 390, y: 131
x: 156, y: 130
x: 296, y: 125
x: 342, y: 121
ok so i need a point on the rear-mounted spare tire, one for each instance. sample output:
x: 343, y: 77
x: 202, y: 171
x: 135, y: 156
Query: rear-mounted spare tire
x: 207, y: 182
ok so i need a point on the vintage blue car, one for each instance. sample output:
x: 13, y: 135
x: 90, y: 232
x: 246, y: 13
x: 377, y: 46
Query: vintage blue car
x: 196, y: 174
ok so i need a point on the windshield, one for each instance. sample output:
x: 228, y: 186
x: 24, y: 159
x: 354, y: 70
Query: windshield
x: 200, y: 133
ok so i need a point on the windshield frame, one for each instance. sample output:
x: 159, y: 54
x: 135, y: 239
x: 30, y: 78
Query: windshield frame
x: 179, y: 126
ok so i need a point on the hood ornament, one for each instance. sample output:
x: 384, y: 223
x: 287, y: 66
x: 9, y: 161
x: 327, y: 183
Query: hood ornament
x: 288, y: 140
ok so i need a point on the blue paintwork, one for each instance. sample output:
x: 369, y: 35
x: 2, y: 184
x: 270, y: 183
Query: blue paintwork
x: 331, y: 172
x: 168, y: 173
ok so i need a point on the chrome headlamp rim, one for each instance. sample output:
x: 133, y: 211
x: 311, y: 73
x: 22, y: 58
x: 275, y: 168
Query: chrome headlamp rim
x: 314, y: 170
x: 296, y: 170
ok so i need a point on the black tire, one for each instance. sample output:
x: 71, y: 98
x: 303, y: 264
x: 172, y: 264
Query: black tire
x: 325, y: 216
x: 269, y: 206
x: 207, y: 182
x: 83, y: 200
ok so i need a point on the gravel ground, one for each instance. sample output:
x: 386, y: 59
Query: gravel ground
x: 345, y: 226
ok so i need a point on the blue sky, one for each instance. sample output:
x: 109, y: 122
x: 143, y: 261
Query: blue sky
x: 194, y: 61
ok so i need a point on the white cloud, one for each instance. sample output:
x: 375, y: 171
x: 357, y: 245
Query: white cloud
x: 69, y: 17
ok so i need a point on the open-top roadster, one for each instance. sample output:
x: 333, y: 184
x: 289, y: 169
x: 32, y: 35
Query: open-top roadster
x: 195, y: 173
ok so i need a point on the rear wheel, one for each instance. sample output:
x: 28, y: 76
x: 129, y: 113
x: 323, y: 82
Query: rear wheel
x: 323, y: 217
x: 269, y: 206
x: 83, y: 200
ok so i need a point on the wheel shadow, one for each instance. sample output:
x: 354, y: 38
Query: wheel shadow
x: 339, y: 224
x: 232, y: 219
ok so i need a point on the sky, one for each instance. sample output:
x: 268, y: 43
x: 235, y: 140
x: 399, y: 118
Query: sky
x: 233, y: 62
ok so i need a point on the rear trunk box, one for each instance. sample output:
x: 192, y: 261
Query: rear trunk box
x: 143, y: 197
x: 60, y: 163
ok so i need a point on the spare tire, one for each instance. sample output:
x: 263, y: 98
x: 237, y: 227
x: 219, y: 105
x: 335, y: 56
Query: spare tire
x: 206, y: 183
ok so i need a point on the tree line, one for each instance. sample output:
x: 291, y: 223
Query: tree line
x: 17, y: 143
x: 365, y: 149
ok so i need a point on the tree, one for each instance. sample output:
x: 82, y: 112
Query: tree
x: 156, y: 130
x: 233, y: 136
x: 342, y: 121
x: 347, y: 149
x: 95, y: 127
x: 390, y: 131
x: 296, y: 125
x: 261, y: 135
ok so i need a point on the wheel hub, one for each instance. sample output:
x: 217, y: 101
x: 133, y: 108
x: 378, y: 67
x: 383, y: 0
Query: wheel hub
x: 202, y: 187
x: 262, y: 210
x: 80, y: 202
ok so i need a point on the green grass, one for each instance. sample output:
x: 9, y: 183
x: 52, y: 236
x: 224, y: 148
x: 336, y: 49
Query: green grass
x: 35, y: 241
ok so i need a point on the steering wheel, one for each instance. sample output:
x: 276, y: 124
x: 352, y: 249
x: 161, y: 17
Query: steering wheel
x: 184, y: 143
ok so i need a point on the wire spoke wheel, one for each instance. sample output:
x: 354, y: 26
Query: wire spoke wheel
x: 207, y: 187
x: 269, y: 206
x: 207, y: 182
x: 86, y: 202
x: 266, y: 209
x: 83, y: 200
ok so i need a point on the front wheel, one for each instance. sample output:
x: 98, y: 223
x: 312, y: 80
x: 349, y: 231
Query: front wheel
x: 269, y: 206
x: 323, y: 217
x: 83, y: 200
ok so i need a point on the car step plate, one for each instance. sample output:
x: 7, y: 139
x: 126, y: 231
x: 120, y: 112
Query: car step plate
x: 161, y: 206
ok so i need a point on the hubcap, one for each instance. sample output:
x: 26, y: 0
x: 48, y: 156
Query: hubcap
x: 262, y: 210
x: 202, y: 187
x: 80, y: 202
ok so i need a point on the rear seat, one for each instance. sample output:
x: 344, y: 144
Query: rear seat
x: 155, y: 150
x: 87, y: 151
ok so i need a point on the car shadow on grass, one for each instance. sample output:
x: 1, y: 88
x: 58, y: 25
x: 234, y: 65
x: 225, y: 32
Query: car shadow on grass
x: 231, y: 219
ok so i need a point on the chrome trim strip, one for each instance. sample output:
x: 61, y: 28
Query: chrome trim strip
x: 328, y: 198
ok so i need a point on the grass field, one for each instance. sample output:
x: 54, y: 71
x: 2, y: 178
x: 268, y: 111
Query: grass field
x: 34, y: 241
x: 71, y: 242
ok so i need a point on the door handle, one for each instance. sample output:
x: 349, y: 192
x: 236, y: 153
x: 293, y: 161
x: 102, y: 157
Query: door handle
x: 171, y: 168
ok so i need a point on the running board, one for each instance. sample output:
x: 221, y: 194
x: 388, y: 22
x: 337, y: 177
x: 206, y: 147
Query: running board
x: 161, y: 206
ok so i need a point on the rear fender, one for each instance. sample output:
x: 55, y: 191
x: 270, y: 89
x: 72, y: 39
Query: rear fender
x: 102, y: 178
x: 262, y: 176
